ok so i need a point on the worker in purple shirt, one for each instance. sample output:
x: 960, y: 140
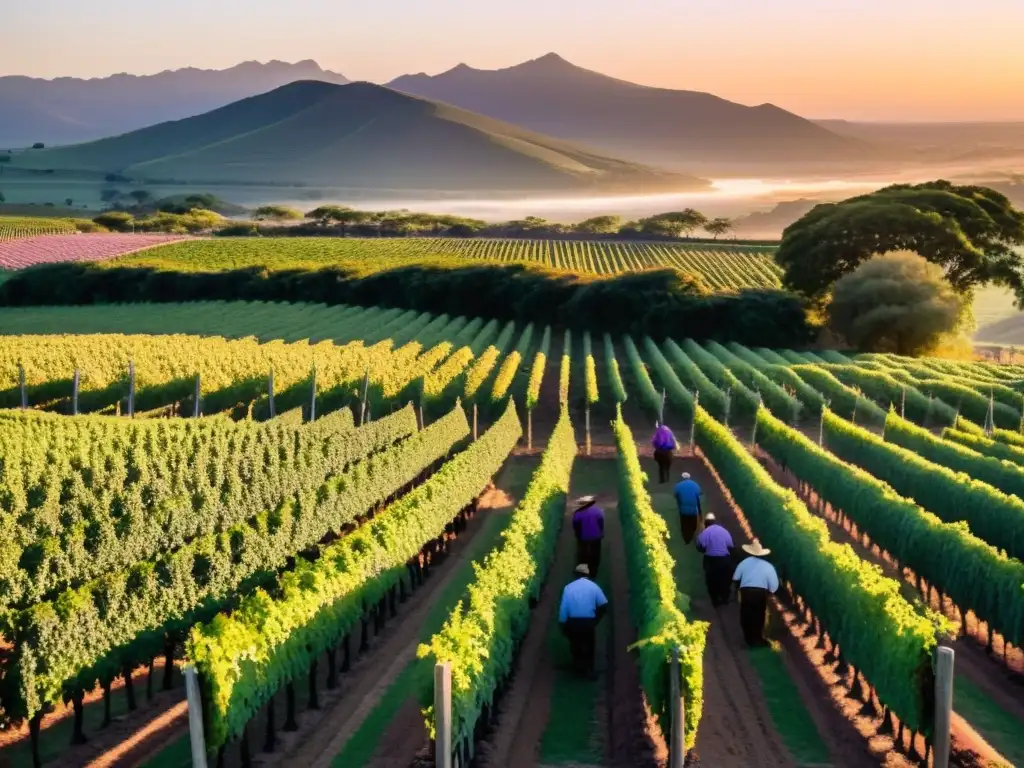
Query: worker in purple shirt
x: 717, y: 546
x: 588, y: 524
x: 664, y: 443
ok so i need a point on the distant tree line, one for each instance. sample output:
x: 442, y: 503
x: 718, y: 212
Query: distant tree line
x: 654, y: 302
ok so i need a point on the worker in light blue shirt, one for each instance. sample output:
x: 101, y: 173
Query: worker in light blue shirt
x: 583, y: 607
x: 688, y: 495
x: 756, y: 579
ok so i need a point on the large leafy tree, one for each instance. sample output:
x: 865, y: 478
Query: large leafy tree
x: 896, y: 303
x: 969, y: 231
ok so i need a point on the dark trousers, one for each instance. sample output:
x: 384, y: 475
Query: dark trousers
x: 753, y: 613
x: 581, y: 643
x: 688, y: 523
x: 718, y: 578
x: 589, y: 552
x: 664, y: 459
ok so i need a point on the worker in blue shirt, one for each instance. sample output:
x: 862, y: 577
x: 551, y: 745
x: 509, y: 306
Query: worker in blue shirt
x: 756, y: 580
x: 583, y: 607
x: 688, y: 495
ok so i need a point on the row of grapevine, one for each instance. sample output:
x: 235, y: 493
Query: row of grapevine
x: 711, y: 397
x: 985, y: 446
x: 510, y: 366
x: 975, y: 575
x: 590, y: 371
x: 650, y: 400
x: 890, y: 643
x: 618, y: 388
x: 481, y: 635
x: 654, y: 600
x: 241, y: 664
x: 1004, y: 475
x: 126, y: 490
x: 746, y: 400
x: 992, y: 515
x: 565, y: 369
x: 123, y: 619
x: 778, y: 400
x: 672, y: 386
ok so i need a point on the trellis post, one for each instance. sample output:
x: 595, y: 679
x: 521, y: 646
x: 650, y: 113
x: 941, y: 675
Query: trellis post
x: 21, y: 386
x: 944, y: 659
x: 693, y: 420
x: 903, y: 403
x: 312, y: 395
x: 661, y: 411
x: 677, y: 745
x: 443, y: 715
x: 74, y: 393
x: 586, y: 416
x: 196, y: 407
x: 195, y: 717
x: 366, y: 391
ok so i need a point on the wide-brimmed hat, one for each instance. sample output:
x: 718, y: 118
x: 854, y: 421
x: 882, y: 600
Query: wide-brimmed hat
x: 756, y: 549
x: 710, y: 517
x: 583, y: 501
x: 583, y: 569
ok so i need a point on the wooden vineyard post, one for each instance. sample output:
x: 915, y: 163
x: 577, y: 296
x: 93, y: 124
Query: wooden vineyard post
x: 443, y: 715
x: 131, y: 388
x: 195, y: 717
x: 587, y: 418
x: 74, y: 393
x: 529, y: 430
x: 677, y: 742
x: 21, y: 386
x: 312, y: 395
x: 195, y: 400
x: 943, y: 705
x: 475, y: 432
x: 821, y: 427
x: 661, y: 410
x: 270, y: 393
x: 421, y: 416
x: 903, y: 403
x: 728, y: 406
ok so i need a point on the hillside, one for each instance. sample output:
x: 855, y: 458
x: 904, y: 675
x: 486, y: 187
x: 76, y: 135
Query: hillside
x: 358, y: 136
x: 553, y: 96
x: 68, y: 109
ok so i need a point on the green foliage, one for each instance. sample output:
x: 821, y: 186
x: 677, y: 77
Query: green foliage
x: 120, y: 620
x: 540, y: 362
x: 886, y: 391
x: 244, y: 657
x: 565, y: 369
x: 745, y: 399
x: 650, y: 398
x: 277, y: 213
x: 953, y: 496
x: 510, y: 366
x: 655, y: 603
x: 889, y: 641
x: 481, y: 635
x: 973, y: 574
x: 779, y: 401
x: 482, y: 367
x: 590, y: 370
x: 896, y: 302
x: 680, y: 396
x: 969, y: 231
x: 614, y: 375
x: 599, y: 225
x: 848, y: 401
x: 711, y: 397
x: 1004, y: 475
x: 1003, y: 451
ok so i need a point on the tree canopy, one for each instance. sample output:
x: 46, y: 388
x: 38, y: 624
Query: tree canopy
x: 277, y: 213
x: 898, y: 303
x: 969, y: 231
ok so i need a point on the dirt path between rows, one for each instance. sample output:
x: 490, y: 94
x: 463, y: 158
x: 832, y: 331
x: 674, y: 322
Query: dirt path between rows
x: 736, y: 727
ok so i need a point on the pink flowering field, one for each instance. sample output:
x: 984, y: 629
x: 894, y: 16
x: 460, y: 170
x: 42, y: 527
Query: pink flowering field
x: 50, y: 249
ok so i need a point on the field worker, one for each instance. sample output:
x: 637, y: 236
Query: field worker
x: 688, y: 494
x: 664, y: 443
x: 588, y: 524
x: 756, y: 579
x: 716, y: 544
x: 583, y: 606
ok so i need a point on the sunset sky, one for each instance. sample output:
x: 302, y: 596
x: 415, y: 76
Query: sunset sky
x: 854, y: 59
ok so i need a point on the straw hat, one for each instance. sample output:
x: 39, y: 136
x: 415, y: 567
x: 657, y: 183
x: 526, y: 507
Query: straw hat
x: 583, y: 501
x: 583, y: 569
x: 710, y: 517
x: 756, y: 549
x: 686, y: 475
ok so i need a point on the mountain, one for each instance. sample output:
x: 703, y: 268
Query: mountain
x: 357, y: 136
x: 67, y: 109
x: 556, y: 97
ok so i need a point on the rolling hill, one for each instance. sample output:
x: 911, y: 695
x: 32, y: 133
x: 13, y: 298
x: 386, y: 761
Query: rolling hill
x: 656, y: 125
x: 357, y: 136
x: 68, y: 109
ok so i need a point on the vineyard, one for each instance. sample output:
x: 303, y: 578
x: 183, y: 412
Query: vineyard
x: 17, y: 227
x: 338, y: 535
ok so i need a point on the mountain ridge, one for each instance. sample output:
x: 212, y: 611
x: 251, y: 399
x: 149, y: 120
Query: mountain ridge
x: 359, y: 135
